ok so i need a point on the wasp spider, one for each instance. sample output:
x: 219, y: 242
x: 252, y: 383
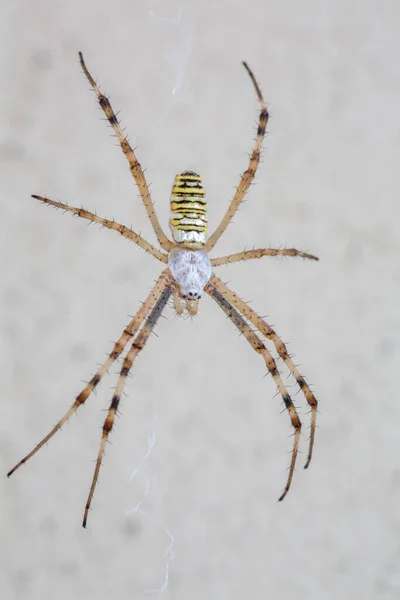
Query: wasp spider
x: 188, y: 273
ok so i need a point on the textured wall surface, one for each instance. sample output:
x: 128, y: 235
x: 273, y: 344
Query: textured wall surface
x: 202, y: 429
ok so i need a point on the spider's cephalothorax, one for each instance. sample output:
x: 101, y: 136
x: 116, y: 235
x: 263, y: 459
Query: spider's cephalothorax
x: 188, y: 274
x: 188, y: 222
x: 191, y: 271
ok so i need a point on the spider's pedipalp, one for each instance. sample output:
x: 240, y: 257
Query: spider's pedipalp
x: 192, y: 306
x: 253, y: 339
x: 263, y: 327
x: 137, y: 346
x: 119, y: 346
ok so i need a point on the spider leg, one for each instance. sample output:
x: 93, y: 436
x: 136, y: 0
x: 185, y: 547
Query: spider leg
x: 260, y: 348
x: 124, y: 231
x: 135, y: 167
x: 249, y: 174
x: 162, y: 283
x: 248, y: 254
x: 135, y: 349
x: 270, y: 334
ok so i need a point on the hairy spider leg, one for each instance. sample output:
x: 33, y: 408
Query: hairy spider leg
x: 249, y: 174
x: 137, y: 346
x: 162, y: 282
x: 270, y: 334
x: 134, y: 165
x: 122, y: 229
x: 260, y: 348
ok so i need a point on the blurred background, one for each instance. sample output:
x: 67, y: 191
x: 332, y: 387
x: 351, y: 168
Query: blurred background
x: 186, y: 506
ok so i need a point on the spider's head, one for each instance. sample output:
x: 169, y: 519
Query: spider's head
x: 191, y: 295
x: 191, y: 271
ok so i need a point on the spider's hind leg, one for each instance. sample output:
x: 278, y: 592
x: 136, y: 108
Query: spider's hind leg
x: 134, y: 165
x: 250, y: 172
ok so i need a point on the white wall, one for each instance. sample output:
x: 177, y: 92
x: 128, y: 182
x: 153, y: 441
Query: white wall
x: 328, y: 184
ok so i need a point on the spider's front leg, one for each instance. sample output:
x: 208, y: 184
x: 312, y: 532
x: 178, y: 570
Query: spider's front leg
x: 137, y: 346
x: 261, y: 349
x: 266, y: 330
x: 129, y: 332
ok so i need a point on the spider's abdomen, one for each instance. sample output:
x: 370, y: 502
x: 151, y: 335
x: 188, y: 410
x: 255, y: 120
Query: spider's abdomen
x: 188, y: 220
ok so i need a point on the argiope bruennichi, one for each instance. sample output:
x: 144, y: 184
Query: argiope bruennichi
x: 189, y: 273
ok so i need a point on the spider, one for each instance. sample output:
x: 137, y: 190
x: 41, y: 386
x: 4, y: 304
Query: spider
x: 189, y: 273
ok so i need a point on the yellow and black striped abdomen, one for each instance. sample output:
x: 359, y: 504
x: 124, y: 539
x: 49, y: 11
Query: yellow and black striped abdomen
x: 188, y: 220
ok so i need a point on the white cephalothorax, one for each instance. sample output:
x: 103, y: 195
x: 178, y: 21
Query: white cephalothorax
x: 191, y: 270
